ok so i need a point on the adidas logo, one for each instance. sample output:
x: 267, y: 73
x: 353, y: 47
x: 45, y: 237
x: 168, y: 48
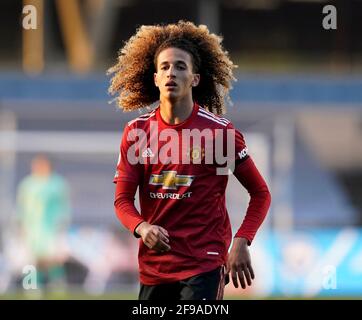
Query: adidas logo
x: 147, y: 153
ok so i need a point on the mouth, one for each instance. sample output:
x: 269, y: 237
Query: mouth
x: 171, y: 84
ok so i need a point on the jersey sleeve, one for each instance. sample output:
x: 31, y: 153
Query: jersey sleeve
x: 126, y: 171
x: 240, y: 150
x: 124, y: 206
x: 244, y: 169
x: 233, y: 150
x: 260, y: 199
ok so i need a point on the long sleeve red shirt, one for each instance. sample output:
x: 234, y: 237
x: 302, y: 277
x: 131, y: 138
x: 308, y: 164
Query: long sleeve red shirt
x: 188, y: 200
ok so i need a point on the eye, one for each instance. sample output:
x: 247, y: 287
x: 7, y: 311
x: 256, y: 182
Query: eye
x: 181, y: 67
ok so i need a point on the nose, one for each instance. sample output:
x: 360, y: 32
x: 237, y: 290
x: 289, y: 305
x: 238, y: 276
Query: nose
x: 171, y: 72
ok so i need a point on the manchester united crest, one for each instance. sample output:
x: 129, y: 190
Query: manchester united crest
x: 196, y: 154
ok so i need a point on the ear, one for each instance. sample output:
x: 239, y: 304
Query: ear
x: 155, y: 79
x: 195, y: 80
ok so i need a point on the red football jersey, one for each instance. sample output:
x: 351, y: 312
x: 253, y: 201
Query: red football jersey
x: 187, y: 199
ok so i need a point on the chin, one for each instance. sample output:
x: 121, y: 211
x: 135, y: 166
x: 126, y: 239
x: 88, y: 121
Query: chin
x: 171, y: 95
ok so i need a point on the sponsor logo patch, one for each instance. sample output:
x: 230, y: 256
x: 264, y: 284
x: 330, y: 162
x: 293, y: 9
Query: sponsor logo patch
x: 170, y: 180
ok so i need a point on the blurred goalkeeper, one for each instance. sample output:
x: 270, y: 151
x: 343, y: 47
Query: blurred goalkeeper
x: 183, y: 222
x: 44, y: 216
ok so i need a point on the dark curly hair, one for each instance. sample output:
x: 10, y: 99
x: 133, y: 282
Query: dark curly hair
x: 132, y: 80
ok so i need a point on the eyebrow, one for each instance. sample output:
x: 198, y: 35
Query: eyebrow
x: 177, y: 62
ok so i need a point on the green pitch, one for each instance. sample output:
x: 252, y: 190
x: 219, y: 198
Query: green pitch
x: 133, y: 296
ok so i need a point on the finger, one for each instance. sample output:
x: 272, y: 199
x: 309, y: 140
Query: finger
x: 163, y: 237
x: 247, y: 276
x: 164, y: 231
x: 148, y: 244
x: 157, y: 247
x: 159, y: 234
x: 162, y: 246
x: 150, y: 241
x: 241, y: 278
x: 227, y: 270
x: 234, y: 278
x: 250, y: 268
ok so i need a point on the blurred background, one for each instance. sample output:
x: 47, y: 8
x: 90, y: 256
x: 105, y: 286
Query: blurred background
x: 297, y: 99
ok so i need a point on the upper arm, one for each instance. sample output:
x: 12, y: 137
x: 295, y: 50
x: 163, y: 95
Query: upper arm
x: 235, y: 149
x: 127, y: 169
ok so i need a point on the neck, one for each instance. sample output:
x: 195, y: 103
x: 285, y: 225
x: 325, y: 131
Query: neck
x: 175, y: 112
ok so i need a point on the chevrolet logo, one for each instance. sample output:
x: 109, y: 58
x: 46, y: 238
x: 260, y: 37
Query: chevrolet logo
x: 171, y: 180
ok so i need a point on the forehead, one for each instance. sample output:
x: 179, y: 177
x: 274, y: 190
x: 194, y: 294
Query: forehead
x: 171, y: 55
x: 40, y: 160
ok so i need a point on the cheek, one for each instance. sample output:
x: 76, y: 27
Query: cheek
x: 190, y: 80
x: 157, y: 79
x: 160, y: 77
x: 186, y: 78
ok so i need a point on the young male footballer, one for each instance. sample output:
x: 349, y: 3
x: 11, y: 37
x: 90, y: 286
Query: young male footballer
x: 178, y: 155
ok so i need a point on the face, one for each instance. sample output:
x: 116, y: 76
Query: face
x: 40, y: 166
x: 174, y: 77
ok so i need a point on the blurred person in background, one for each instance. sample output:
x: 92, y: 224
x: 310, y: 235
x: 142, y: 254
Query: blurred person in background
x: 184, y: 224
x: 43, y: 206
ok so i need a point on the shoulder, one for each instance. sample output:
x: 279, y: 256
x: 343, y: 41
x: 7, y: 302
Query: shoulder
x: 26, y: 182
x: 212, y: 120
x: 59, y: 180
x: 141, y: 119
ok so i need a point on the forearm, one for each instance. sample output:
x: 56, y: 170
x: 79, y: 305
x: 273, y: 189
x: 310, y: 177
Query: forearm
x: 260, y: 199
x: 124, y: 205
x: 255, y: 214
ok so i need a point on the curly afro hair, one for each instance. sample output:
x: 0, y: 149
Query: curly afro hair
x: 132, y: 76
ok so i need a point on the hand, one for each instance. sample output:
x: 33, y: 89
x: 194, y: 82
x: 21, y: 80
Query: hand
x: 239, y: 263
x: 154, y: 237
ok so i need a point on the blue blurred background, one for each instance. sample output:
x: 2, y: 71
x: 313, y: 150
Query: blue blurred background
x: 297, y: 99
